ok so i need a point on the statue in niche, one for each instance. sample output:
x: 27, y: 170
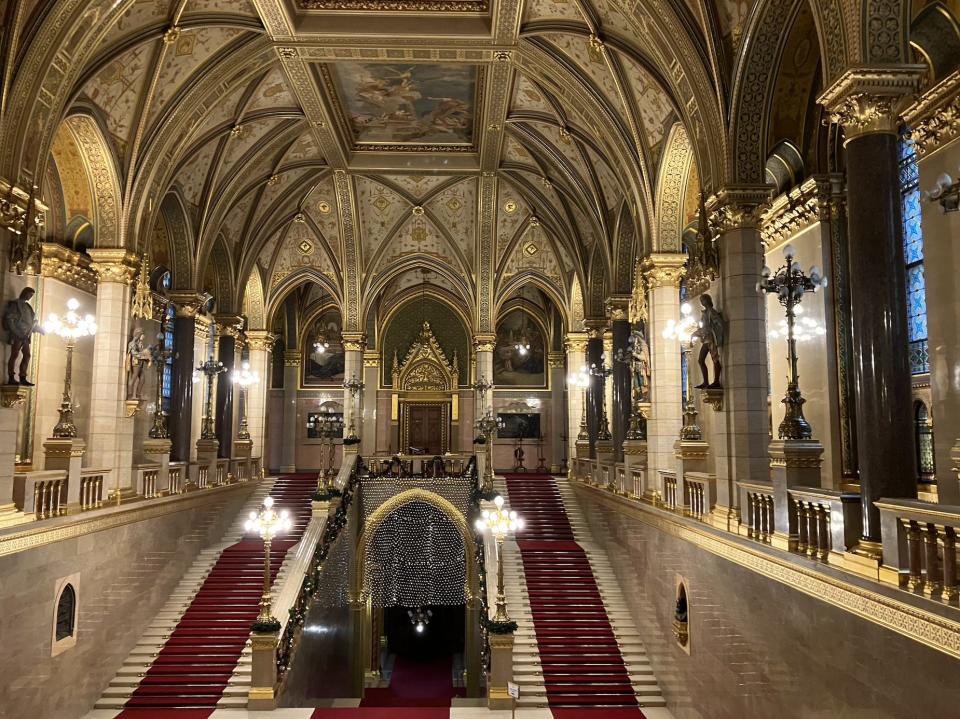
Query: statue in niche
x: 639, y: 362
x: 20, y: 322
x: 139, y: 357
x: 711, y: 337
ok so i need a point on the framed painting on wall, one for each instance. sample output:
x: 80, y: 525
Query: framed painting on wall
x: 323, y: 354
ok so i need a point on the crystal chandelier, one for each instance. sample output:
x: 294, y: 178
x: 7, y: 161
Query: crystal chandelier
x: 419, y: 618
x: 522, y: 345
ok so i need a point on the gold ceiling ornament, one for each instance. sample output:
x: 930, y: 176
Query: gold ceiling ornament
x: 867, y: 100
x: 299, y: 218
x: 274, y: 180
x: 393, y: 6
x: 565, y: 136
x: 534, y: 221
x: 510, y: 206
x: 71, y: 268
x: 287, y: 53
x: 664, y: 269
x: 597, y: 48
x: 736, y: 208
x: 238, y: 131
x: 417, y: 211
x: 171, y: 35
x: 493, y: 126
x: 142, y: 305
x: 502, y: 56
x: 324, y: 207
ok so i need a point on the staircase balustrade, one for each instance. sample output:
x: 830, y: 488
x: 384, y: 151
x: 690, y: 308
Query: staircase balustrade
x: 697, y: 494
x: 91, y: 488
x: 757, y: 521
x: 669, y: 495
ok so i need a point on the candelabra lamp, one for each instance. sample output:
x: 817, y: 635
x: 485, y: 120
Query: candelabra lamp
x: 499, y: 522
x: 581, y: 380
x: 71, y: 327
x: 486, y: 425
x: 946, y: 192
x: 790, y: 284
x: 602, y: 371
x: 244, y: 378
x: 631, y: 357
x: 267, y: 523
x: 354, y: 386
x: 684, y: 332
x: 209, y: 369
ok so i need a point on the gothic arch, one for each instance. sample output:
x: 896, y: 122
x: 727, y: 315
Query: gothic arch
x: 671, y: 190
x: 253, y: 301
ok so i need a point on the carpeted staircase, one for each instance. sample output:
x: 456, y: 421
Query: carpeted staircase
x: 583, y: 650
x: 194, y: 655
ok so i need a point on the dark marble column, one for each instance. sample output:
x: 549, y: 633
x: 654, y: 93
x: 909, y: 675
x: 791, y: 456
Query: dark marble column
x: 878, y: 302
x: 594, y: 391
x: 224, y: 406
x: 181, y: 386
x: 621, y: 388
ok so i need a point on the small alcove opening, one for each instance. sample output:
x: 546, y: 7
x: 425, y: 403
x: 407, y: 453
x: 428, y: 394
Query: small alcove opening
x: 65, y: 612
x: 681, y: 617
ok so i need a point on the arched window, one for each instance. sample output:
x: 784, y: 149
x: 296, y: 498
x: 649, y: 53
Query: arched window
x: 913, y: 254
x: 923, y: 432
x: 66, y: 613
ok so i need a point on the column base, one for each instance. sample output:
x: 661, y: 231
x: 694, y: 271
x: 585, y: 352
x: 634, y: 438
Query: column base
x: 865, y: 559
x: 787, y: 542
x: 725, y: 518
x: 11, y: 516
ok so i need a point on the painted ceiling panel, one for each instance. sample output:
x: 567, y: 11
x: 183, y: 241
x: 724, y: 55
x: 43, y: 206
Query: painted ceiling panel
x: 192, y: 176
x: 528, y: 97
x: 380, y: 209
x: 533, y: 253
x: 272, y: 93
x: 652, y: 102
x: 512, y: 213
x: 456, y: 209
x: 418, y: 186
x: 117, y: 89
x: 249, y: 136
x: 301, y: 249
x: 232, y: 7
x: 142, y: 13
x: 321, y: 205
x: 551, y: 10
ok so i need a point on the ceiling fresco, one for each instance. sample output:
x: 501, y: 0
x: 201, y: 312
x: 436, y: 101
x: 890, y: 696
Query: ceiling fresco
x: 406, y: 106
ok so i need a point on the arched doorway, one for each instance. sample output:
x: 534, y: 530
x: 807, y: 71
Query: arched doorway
x: 416, y: 552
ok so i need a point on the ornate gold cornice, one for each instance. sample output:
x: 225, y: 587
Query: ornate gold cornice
x: 484, y: 342
x: 793, y: 211
x: 596, y: 326
x: 663, y: 269
x: 371, y: 358
x: 736, y: 208
x: 354, y: 341
x: 115, y: 265
x: 260, y: 340
x: 868, y: 100
x: 229, y: 324
x: 935, y: 117
x: 575, y: 342
x: 618, y: 307
x: 292, y: 358
x: 381, y: 6
x: 71, y: 268
x: 186, y: 302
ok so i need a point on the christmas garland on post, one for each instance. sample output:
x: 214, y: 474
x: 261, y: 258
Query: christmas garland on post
x: 266, y: 627
x: 480, y: 440
x: 326, y: 495
x: 495, y: 627
x: 478, y: 494
x: 347, y: 441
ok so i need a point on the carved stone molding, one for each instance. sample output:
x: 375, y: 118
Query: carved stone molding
x: 596, y: 327
x: 202, y: 326
x: 71, y: 268
x: 12, y: 395
x: 793, y: 211
x: 663, y: 269
x: 618, y: 307
x: 556, y: 360
x: 484, y: 343
x: 229, y: 324
x: 354, y: 341
x: 935, y: 117
x: 115, y: 265
x: 575, y: 342
x: 736, y: 208
x: 187, y: 303
x: 371, y: 358
x: 292, y: 358
x: 260, y: 340
x: 869, y: 100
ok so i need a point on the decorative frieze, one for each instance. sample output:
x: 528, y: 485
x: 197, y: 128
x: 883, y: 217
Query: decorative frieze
x: 576, y: 342
x: 260, y: 340
x: 354, y: 341
x: 114, y: 265
x: 371, y: 358
x: 663, y: 269
x: 935, y: 118
x: 801, y: 207
x: 484, y: 343
x: 868, y: 100
x: 71, y: 268
x: 736, y: 208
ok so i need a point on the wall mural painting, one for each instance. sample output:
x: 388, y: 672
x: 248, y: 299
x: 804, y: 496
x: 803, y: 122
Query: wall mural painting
x: 323, y: 350
x: 511, y: 366
x: 416, y: 104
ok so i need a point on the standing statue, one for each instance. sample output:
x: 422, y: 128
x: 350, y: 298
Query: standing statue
x: 138, y: 358
x: 710, y: 334
x: 640, y: 362
x: 20, y: 322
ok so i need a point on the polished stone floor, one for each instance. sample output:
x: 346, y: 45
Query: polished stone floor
x: 455, y: 713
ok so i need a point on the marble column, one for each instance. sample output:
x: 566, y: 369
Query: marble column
x: 180, y: 421
x: 864, y: 101
x: 204, y: 347
x: 354, y: 344
x: 608, y: 384
x: 110, y: 438
x: 259, y: 343
x: 662, y: 274
x: 371, y: 381
x: 556, y: 424
x: 620, y: 381
x: 595, y: 392
x: 743, y: 424
x: 228, y: 329
x: 483, y: 345
x: 291, y: 430
x: 576, y: 346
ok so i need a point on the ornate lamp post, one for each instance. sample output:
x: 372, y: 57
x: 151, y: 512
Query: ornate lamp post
x: 581, y: 380
x: 70, y: 327
x: 267, y: 523
x: 499, y: 522
x: 160, y: 356
x: 355, y: 387
x: 684, y: 332
x: 244, y: 379
x: 487, y: 426
x: 603, y: 371
x: 210, y: 369
x: 789, y: 283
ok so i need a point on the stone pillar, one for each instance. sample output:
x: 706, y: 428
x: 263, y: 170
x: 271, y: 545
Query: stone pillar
x: 501, y: 671
x: 576, y: 346
x: 110, y: 435
x: 620, y: 381
x: 263, y: 671
x: 180, y: 420
x: 354, y: 344
x: 12, y: 399
x: 371, y: 381
x: 483, y: 345
x: 259, y: 343
x: 291, y: 387
x: 595, y: 394
x: 228, y: 329
x: 204, y: 347
x: 66, y: 455
x: 662, y: 274
x: 556, y: 424
x: 865, y: 102
x: 793, y: 463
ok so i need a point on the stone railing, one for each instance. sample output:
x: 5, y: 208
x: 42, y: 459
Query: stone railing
x: 757, y: 511
x: 920, y: 547
x: 179, y: 474
x: 44, y: 493
x: 91, y: 488
x: 669, y: 497
x: 148, y: 481
x: 240, y: 469
x: 256, y: 468
x: 422, y: 465
x: 697, y: 494
x: 828, y: 522
x: 221, y: 471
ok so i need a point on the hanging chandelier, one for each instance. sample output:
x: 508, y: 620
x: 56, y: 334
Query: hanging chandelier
x: 522, y: 346
x: 321, y: 344
x: 419, y: 618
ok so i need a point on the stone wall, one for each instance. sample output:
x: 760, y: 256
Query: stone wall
x: 759, y: 648
x: 126, y: 574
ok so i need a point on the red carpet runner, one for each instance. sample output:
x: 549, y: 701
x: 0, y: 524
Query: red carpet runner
x: 581, y: 661
x: 197, y: 660
x: 425, y: 683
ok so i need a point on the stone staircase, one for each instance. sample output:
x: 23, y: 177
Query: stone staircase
x: 528, y: 671
x: 132, y: 672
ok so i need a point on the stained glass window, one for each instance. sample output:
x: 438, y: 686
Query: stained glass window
x: 924, y: 442
x: 913, y: 255
x: 166, y: 389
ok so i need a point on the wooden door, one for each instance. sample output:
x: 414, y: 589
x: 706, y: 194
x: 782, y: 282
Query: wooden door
x: 426, y: 428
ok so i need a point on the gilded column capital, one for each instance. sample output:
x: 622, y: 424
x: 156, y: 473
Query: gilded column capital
x: 596, y: 326
x: 663, y: 269
x: 869, y: 100
x: 202, y: 325
x: 736, y: 208
x: 292, y: 358
x: 556, y: 360
x: 484, y: 342
x: 354, y: 341
x: 229, y: 324
x: 186, y: 302
x: 575, y: 342
x: 371, y: 358
x: 71, y: 268
x: 260, y: 340
x: 618, y: 307
x: 114, y: 265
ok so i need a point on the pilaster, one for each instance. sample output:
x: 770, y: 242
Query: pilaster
x: 259, y: 345
x: 291, y: 385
